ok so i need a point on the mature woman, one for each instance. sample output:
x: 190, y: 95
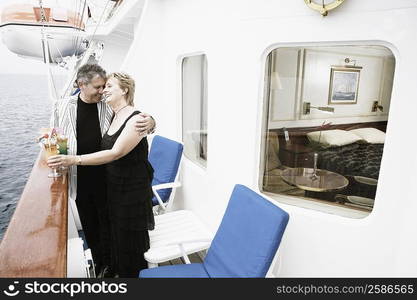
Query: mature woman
x: 128, y: 178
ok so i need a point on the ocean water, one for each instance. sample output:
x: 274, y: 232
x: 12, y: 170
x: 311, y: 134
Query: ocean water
x: 25, y: 107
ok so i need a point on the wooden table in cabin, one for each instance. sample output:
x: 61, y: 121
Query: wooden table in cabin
x: 35, y: 243
x: 325, y: 181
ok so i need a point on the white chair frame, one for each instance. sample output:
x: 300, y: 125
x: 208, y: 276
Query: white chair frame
x: 177, y: 234
x: 174, y: 185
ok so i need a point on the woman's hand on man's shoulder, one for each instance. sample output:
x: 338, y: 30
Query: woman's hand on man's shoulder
x: 142, y: 123
x: 137, y: 124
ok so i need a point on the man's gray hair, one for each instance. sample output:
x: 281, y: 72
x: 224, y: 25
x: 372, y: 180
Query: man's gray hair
x: 87, y: 72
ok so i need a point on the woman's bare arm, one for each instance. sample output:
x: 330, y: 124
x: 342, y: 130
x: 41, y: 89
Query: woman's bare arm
x: 128, y: 139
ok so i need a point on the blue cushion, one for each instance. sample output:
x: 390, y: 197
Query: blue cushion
x: 176, y: 271
x: 165, y: 157
x: 248, y: 237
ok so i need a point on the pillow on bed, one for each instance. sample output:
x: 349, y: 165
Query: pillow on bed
x: 371, y: 135
x: 333, y: 138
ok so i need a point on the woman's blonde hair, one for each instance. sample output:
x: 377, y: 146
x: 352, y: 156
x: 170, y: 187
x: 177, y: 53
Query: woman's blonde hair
x: 126, y: 83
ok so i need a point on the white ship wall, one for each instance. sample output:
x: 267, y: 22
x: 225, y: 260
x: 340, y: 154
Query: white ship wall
x: 236, y: 36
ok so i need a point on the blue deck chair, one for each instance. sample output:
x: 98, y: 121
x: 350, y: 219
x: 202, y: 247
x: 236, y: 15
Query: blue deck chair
x: 244, y: 245
x: 165, y: 157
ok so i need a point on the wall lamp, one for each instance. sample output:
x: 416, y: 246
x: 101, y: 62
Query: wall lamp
x: 376, y: 106
x: 307, y: 107
x: 351, y: 63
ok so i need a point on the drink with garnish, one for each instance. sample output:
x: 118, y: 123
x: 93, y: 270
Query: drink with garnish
x: 50, y: 148
x: 62, y: 141
x: 62, y: 146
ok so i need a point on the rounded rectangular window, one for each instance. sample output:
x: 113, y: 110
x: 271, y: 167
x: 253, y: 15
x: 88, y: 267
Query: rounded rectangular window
x: 194, y: 108
x: 327, y: 110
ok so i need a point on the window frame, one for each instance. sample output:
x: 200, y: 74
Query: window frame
x: 204, y: 70
x: 319, y: 206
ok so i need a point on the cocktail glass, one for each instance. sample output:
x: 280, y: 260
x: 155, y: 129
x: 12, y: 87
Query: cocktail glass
x: 51, y: 149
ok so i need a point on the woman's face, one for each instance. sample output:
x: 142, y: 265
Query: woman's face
x: 113, y: 92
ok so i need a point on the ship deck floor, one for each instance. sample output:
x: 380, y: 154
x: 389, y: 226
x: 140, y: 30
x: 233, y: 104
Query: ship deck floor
x: 194, y: 257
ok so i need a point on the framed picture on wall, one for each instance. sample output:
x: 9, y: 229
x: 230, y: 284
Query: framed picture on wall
x: 344, y: 85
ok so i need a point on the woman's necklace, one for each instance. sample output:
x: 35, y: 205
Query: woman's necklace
x: 116, y: 112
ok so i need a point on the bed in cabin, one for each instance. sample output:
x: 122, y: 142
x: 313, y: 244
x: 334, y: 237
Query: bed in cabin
x: 357, y: 159
x: 356, y: 152
x: 351, y: 150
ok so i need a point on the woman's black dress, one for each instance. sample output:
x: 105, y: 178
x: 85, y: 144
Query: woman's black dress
x: 129, y: 195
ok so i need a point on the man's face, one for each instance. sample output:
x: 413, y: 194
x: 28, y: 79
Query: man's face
x: 92, y: 91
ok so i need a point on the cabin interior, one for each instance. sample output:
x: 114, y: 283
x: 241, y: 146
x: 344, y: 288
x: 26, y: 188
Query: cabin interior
x: 331, y: 102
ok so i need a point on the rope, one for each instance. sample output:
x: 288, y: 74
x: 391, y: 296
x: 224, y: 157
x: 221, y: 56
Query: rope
x: 44, y: 39
x: 45, y: 44
x: 59, y: 52
x: 79, y: 28
x: 74, y: 38
x: 70, y: 85
x: 43, y: 17
x: 53, y: 83
x: 99, y: 22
